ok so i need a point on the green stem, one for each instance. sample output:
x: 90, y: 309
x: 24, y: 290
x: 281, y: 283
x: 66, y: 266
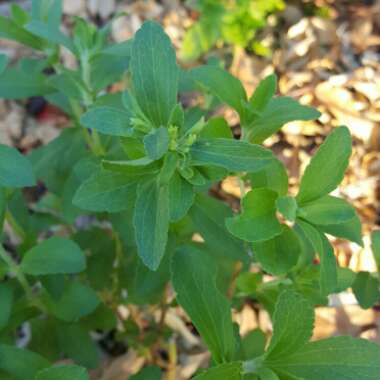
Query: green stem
x: 14, y: 268
x: 15, y: 225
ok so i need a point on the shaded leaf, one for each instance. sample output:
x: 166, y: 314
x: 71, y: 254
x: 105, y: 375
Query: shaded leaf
x: 53, y: 256
x: 194, y: 280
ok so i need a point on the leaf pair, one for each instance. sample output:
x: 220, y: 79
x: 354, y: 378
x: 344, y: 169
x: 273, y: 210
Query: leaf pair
x: 290, y: 355
x: 262, y: 115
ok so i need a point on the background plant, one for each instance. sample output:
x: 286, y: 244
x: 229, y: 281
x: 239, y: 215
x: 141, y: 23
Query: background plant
x: 233, y: 22
x: 139, y: 167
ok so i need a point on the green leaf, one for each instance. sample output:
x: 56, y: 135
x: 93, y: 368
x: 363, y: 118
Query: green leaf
x: 10, y: 30
x: 293, y: 322
x: 15, y: 169
x: 235, y: 155
x: 223, y: 85
x: 331, y: 159
x: 156, y: 143
x: 148, y: 373
x: 263, y: 93
x: 6, y: 301
x: 54, y: 162
x: 63, y: 372
x: 108, y: 120
x: 109, y: 191
x: 20, y: 364
x: 194, y: 280
x: 273, y: 176
x: 278, y: 112
x: 366, y: 289
x: 181, y: 196
x: 50, y: 33
x: 49, y: 11
x: 230, y: 371
x: 154, y: 73
x: 53, y: 256
x: 350, y: 230
x: 76, y: 343
x: 267, y: 374
x: 209, y: 215
x: 327, y: 210
x: 216, y: 127
x: 375, y: 246
x: 320, y: 244
x: 339, y: 358
x: 287, y: 206
x: 258, y: 219
x: 70, y: 84
x: 3, y: 62
x: 151, y: 222
x: 253, y: 344
x: 77, y: 301
x: 279, y: 254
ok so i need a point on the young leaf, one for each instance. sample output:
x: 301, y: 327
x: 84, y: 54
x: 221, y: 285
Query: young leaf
x: 273, y: 176
x: 366, y: 289
x: 63, y: 372
x: 339, y: 358
x: 194, y: 280
x: 320, y: 244
x: 181, y: 196
x: 258, y: 220
x: 53, y: 256
x: 151, y: 222
x: 230, y: 371
x: 293, y: 322
x: 154, y: 73
x: 20, y: 364
x: 221, y: 84
x: 105, y: 190
x: 375, y: 246
x: 230, y: 154
x: 6, y: 301
x: 108, y: 120
x: 327, y: 210
x: 156, y: 143
x: 279, y: 254
x: 15, y: 169
x: 278, y: 112
x: 263, y: 93
x: 331, y: 159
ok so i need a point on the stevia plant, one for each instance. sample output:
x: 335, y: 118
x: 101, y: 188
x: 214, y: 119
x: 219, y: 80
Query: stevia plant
x: 106, y: 214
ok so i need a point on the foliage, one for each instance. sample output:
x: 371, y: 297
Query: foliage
x: 139, y: 167
x: 234, y: 22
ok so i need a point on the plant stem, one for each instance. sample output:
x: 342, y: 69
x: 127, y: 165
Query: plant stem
x: 172, y: 367
x: 14, y: 268
x: 15, y: 225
